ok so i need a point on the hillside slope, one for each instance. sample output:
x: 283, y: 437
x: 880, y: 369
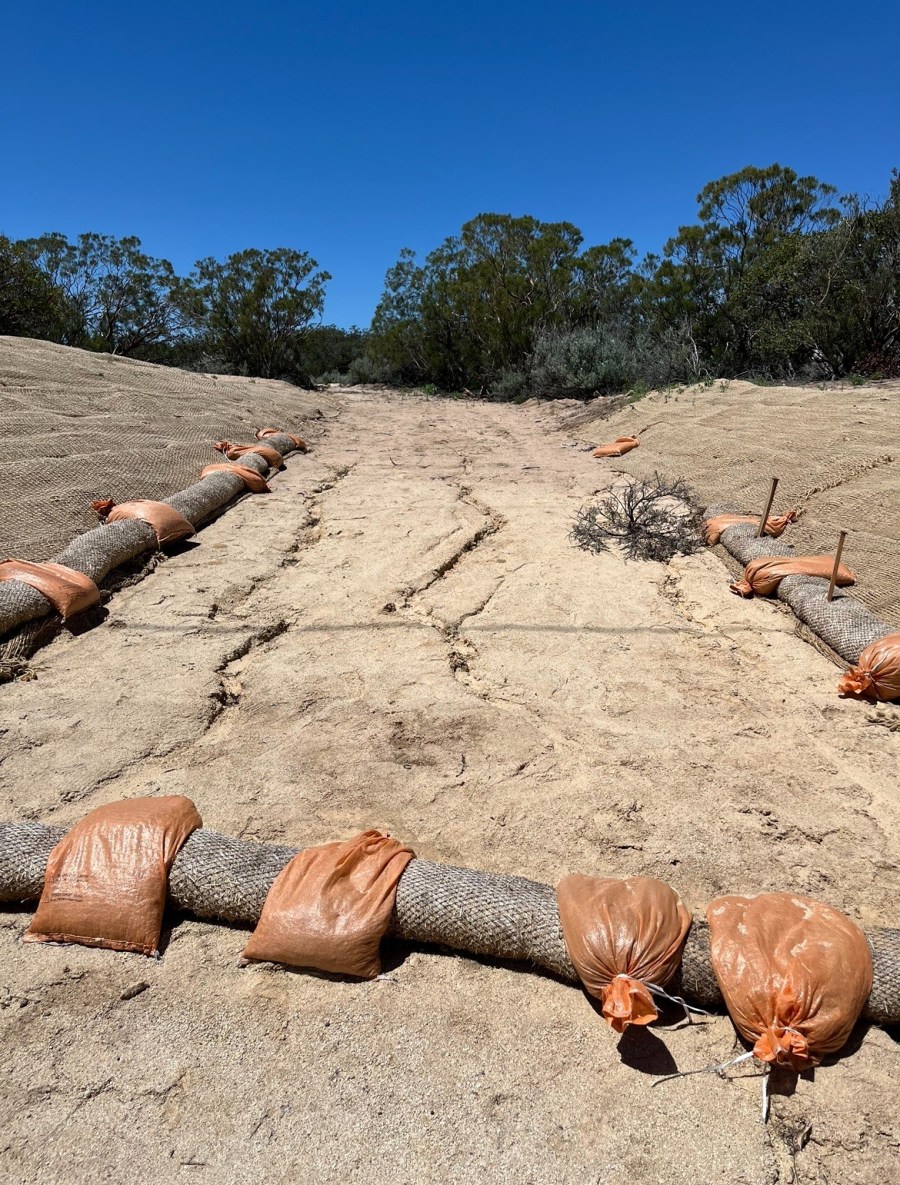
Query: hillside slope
x: 78, y: 426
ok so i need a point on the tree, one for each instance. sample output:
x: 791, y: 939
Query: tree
x: 31, y: 305
x: 256, y: 307
x: 118, y: 299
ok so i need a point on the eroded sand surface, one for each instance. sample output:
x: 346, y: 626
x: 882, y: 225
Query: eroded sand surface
x: 401, y: 636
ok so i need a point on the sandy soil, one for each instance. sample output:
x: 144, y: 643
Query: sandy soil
x: 401, y: 636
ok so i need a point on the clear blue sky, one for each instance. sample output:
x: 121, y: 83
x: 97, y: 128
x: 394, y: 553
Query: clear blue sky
x: 352, y: 130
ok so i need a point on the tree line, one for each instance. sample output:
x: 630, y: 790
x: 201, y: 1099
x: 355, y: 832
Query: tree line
x: 780, y: 277
x: 254, y: 313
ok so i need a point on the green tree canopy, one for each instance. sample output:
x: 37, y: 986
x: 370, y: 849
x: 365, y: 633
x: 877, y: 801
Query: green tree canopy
x: 255, y: 308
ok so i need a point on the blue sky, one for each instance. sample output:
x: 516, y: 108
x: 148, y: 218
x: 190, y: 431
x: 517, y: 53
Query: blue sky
x: 353, y: 130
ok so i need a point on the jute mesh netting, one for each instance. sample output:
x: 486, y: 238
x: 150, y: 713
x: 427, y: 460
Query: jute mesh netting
x: 79, y: 426
x: 835, y: 450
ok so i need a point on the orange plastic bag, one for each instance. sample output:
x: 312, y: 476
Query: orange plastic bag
x: 623, y: 935
x: 330, y: 907
x: 775, y: 524
x: 619, y: 447
x: 877, y: 671
x: 68, y: 591
x: 168, y: 525
x: 299, y: 442
x: 234, y: 452
x: 250, y: 478
x: 763, y: 575
x: 106, y: 880
x: 795, y: 974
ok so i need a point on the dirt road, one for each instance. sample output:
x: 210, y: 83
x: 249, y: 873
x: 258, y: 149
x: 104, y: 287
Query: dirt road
x: 401, y: 636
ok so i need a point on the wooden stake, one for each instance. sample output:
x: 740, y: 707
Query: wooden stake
x: 837, y: 564
x: 765, y: 517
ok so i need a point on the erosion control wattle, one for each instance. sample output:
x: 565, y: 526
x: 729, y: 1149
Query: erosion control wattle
x: 490, y: 915
x: 843, y: 624
x: 69, y: 583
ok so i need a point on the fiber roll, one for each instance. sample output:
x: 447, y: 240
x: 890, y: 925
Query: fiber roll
x: 508, y: 918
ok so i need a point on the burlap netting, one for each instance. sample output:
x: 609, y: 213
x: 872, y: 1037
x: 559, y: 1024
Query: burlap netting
x: 844, y: 624
x: 837, y: 453
x: 96, y: 553
x: 106, y: 880
x: 499, y: 917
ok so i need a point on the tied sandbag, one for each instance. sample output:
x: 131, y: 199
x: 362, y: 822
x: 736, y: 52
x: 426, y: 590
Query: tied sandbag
x: 68, y: 591
x: 234, y: 452
x: 299, y: 443
x: 330, y: 907
x: 775, y: 524
x: 795, y: 974
x: 877, y: 671
x: 251, y: 479
x: 618, y: 448
x: 763, y: 575
x: 624, y: 937
x: 168, y: 524
x: 106, y: 880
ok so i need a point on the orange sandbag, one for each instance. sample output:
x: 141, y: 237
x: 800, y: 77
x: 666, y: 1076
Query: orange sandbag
x: 68, y: 591
x: 622, y: 935
x: 299, y: 442
x: 619, y: 447
x: 877, y: 671
x: 106, y: 880
x: 234, y: 452
x: 763, y: 575
x: 168, y: 525
x: 795, y: 974
x: 330, y: 907
x: 250, y: 477
x: 775, y: 524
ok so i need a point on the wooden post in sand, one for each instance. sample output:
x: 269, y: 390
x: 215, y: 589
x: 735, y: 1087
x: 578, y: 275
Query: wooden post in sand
x: 765, y: 517
x: 837, y: 563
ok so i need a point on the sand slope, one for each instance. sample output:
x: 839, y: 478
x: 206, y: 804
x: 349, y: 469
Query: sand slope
x: 835, y: 449
x: 401, y: 636
x: 79, y: 426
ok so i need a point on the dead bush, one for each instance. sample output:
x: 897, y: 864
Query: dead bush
x: 650, y: 520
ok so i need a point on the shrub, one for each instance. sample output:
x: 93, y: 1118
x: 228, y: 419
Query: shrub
x: 650, y: 520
